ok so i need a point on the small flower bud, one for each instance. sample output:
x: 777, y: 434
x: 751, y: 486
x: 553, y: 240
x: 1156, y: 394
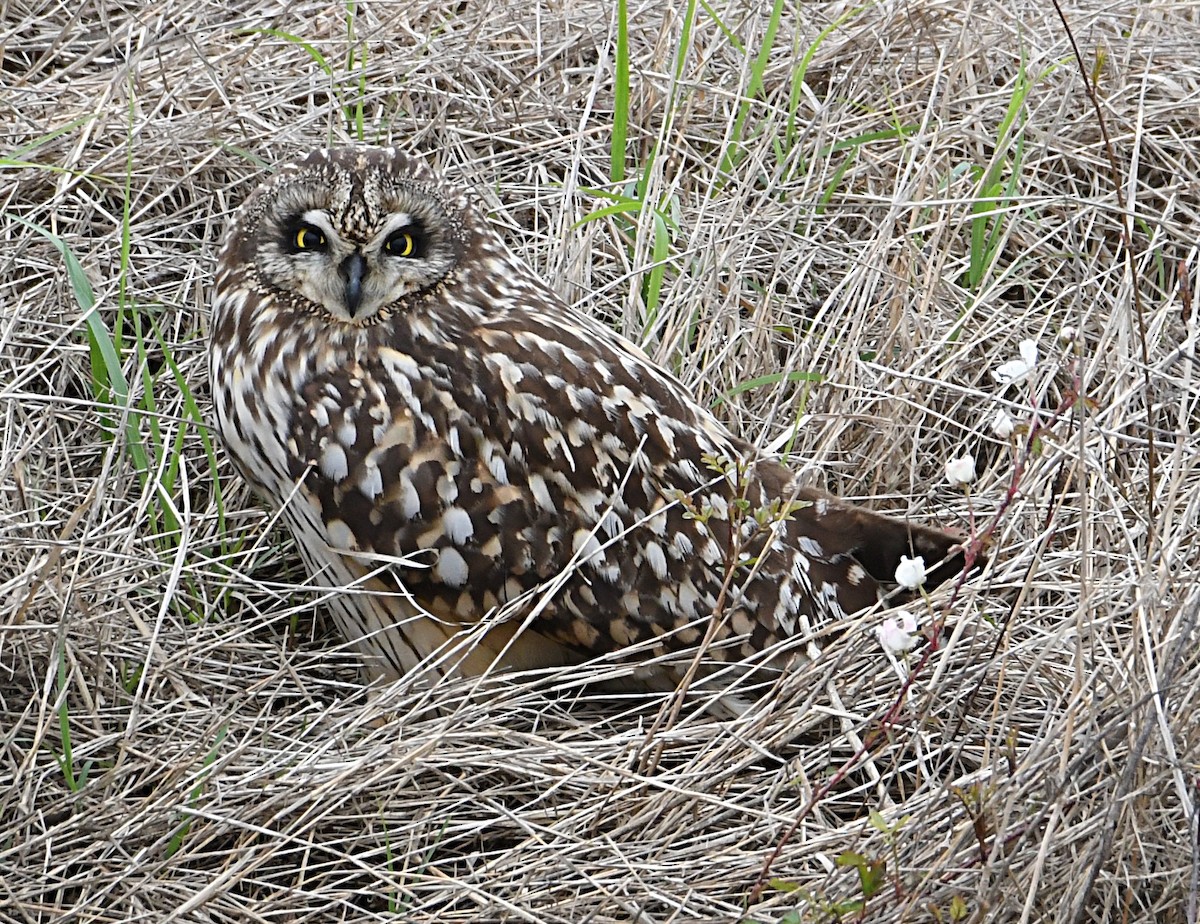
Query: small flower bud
x: 897, y: 634
x: 910, y: 573
x: 961, y: 470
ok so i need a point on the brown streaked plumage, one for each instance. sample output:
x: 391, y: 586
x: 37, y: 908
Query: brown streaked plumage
x: 491, y: 476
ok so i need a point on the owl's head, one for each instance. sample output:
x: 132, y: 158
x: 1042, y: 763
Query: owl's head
x: 351, y: 232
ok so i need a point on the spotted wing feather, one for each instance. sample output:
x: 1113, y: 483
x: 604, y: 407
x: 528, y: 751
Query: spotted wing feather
x: 510, y: 457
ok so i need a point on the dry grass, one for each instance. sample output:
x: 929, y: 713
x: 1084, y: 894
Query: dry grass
x: 179, y: 737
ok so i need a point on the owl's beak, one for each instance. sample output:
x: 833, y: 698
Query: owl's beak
x: 352, y: 270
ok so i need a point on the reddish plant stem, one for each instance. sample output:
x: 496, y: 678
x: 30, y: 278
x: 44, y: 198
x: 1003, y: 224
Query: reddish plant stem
x: 971, y: 554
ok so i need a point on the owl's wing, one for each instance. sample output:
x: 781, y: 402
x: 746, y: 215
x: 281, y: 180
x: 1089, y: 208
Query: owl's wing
x: 856, y: 550
x: 512, y: 458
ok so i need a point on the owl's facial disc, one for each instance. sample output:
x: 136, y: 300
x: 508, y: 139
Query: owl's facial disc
x: 356, y: 251
x: 354, y: 279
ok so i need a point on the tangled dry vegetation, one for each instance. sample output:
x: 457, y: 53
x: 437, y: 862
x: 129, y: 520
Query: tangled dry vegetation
x: 835, y: 221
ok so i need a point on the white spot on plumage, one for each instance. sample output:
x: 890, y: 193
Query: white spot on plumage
x: 581, y: 398
x: 457, y: 524
x: 639, y: 407
x: 611, y: 524
x: 589, y: 501
x: 447, y: 484
x: 554, y: 440
x: 579, y: 431
x: 585, y: 545
x: 614, y: 446
x: 833, y: 606
x: 510, y: 373
x: 688, y: 598
x: 512, y: 589
x: 608, y: 572
x: 687, y: 468
x: 656, y: 559
x: 371, y: 482
x: 340, y: 536
x: 410, y: 500
x: 537, y: 487
x: 451, y: 568
x: 333, y: 462
x: 574, y: 358
x: 665, y: 431
x: 494, y: 461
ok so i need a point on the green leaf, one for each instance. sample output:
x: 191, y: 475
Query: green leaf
x: 773, y: 378
x: 295, y: 40
x: 620, y: 95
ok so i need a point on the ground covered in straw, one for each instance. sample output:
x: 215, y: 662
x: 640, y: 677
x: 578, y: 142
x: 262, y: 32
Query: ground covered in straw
x: 835, y: 221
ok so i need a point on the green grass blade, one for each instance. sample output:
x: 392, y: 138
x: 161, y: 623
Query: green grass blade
x: 773, y: 378
x: 661, y: 251
x: 108, y: 378
x: 66, y: 760
x: 624, y: 207
x: 181, y: 832
x: 308, y: 47
x: 685, y: 39
x: 14, y: 158
x: 801, y: 71
x: 733, y: 151
x: 729, y: 34
x: 620, y: 95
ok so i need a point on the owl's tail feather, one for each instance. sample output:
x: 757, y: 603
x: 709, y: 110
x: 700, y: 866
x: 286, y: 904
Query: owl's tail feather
x: 877, y: 542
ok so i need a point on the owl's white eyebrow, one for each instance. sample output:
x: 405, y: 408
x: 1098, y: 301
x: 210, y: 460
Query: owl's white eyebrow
x: 399, y: 220
x: 320, y: 219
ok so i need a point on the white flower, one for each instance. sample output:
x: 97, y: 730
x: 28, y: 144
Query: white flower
x: 898, y: 633
x: 910, y: 573
x: 1002, y: 424
x: 1016, y: 369
x: 961, y: 470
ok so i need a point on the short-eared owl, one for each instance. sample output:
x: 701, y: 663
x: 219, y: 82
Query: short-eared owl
x: 490, y: 477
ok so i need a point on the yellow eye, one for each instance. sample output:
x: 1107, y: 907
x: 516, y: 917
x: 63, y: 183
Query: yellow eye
x: 400, y: 244
x: 309, y: 238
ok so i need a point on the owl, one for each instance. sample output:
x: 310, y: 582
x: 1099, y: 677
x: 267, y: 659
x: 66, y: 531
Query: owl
x: 485, y: 478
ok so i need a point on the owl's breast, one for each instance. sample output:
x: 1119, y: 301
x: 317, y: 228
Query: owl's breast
x: 259, y: 378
